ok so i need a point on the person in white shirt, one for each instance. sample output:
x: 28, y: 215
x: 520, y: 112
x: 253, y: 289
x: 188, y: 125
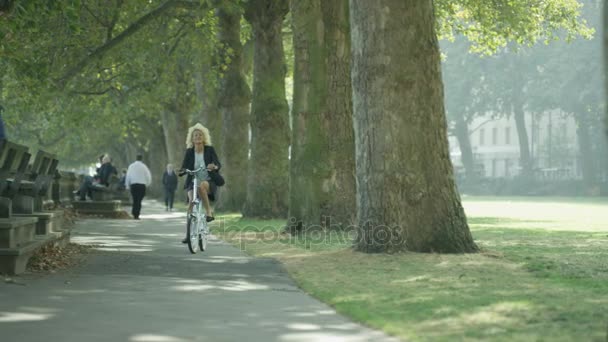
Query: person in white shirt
x: 137, y: 179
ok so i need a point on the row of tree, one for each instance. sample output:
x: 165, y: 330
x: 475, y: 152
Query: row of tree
x: 534, y: 79
x: 365, y: 141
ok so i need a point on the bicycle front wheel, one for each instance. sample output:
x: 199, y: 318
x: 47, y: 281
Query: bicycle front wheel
x: 192, y: 234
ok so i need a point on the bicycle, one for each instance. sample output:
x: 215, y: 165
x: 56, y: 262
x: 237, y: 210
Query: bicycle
x: 196, y: 220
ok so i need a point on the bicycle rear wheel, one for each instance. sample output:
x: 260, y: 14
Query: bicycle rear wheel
x: 192, y: 234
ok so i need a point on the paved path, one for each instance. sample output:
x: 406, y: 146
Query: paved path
x: 143, y: 285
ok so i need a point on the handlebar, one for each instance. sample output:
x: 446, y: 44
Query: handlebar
x: 192, y: 172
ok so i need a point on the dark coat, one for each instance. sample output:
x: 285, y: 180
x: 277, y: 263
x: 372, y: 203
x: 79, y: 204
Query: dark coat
x: 105, y: 172
x: 188, y: 163
x: 170, y: 181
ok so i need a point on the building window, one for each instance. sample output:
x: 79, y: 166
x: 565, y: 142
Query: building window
x: 563, y: 131
x: 482, y: 134
x: 508, y: 135
x: 494, y: 136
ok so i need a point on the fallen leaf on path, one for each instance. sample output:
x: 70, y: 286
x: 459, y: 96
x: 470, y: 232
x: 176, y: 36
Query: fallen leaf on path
x: 53, y: 257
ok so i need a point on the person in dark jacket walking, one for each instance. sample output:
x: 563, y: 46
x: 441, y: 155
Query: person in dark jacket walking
x: 170, y: 185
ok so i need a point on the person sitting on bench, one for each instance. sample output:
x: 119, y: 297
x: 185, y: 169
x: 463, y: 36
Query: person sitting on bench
x: 101, y: 179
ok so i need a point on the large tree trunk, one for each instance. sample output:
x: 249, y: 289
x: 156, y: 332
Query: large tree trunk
x: 156, y: 161
x: 522, y: 134
x: 151, y: 145
x: 605, y: 33
x: 206, y: 84
x: 267, y: 184
x: 406, y: 195
x: 175, y: 126
x: 132, y: 148
x: 233, y: 99
x: 175, y: 120
x: 308, y: 163
x: 340, y: 186
x: 461, y: 130
x: 209, y: 115
x: 322, y: 183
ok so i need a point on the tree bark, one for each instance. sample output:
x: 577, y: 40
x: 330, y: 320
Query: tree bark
x: 322, y: 183
x: 207, y: 93
x: 308, y: 163
x: 150, y: 143
x: 175, y: 126
x: 156, y: 161
x: 522, y: 135
x: 340, y: 185
x: 406, y: 195
x: 233, y: 100
x: 466, y: 152
x: 267, y: 184
x: 174, y: 118
x: 605, y: 34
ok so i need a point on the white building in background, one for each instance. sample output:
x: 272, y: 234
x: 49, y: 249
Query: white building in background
x: 495, y: 144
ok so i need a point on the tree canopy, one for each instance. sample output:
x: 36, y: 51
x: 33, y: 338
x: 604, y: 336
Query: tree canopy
x: 103, y: 70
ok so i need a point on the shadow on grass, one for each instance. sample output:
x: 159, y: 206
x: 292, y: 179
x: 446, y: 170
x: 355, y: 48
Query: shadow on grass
x: 527, y: 284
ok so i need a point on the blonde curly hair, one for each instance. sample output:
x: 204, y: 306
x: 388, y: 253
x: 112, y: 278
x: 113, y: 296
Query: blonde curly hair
x: 198, y: 127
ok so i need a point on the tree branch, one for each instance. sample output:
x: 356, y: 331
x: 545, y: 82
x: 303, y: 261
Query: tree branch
x: 49, y: 143
x: 90, y: 92
x: 98, y: 19
x: 114, y: 19
x: 480, y: 125
x: 136, y: 26
x: 180, y: 34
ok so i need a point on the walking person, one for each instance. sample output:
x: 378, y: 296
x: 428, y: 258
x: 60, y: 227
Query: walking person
x: 170, y: 185
x: 137, y: 179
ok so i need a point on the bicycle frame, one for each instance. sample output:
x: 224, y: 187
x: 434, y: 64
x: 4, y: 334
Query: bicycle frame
x: 197, y: 217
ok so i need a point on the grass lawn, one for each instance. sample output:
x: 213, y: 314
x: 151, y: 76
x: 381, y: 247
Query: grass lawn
x: 542, y: 275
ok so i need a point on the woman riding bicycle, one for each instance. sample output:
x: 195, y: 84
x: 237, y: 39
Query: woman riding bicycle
x: 199, y: 152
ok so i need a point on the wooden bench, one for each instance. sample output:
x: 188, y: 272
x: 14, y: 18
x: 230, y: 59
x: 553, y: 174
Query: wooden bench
x: 14, y: 159
x: 112, y: 192
x: 34, y: 193
x: 40, y: 177
x: 106, y: 201
x: 17, y: 234
x: 67, y: 183
x: 110, y: 208
x: 26, y: 226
